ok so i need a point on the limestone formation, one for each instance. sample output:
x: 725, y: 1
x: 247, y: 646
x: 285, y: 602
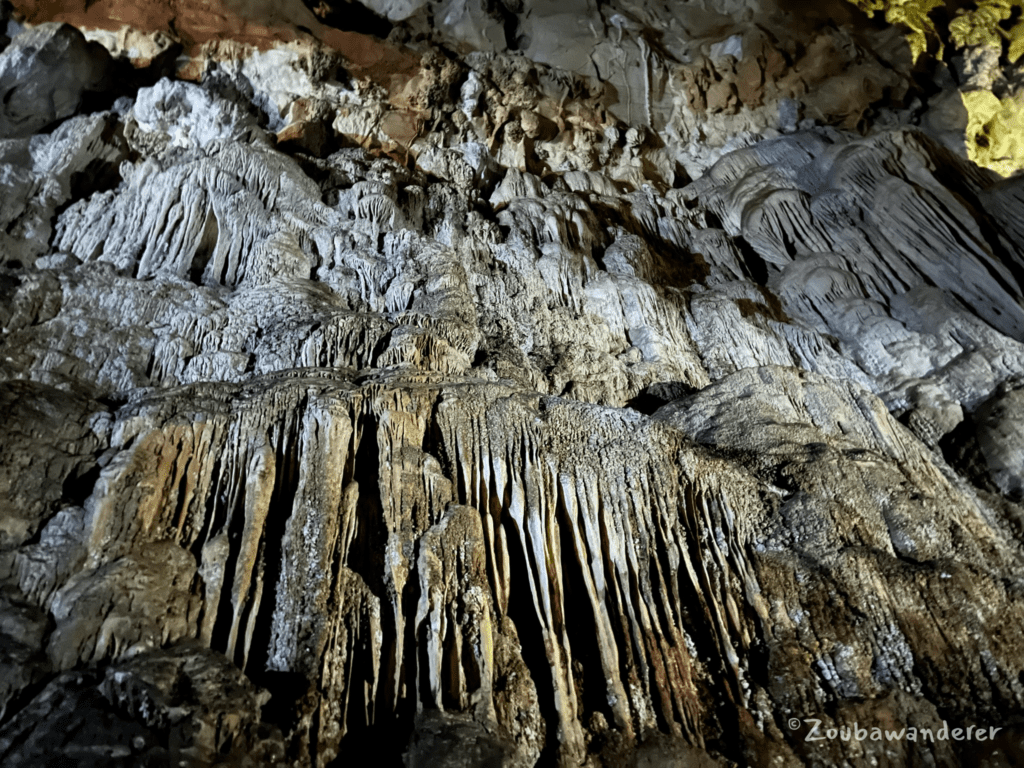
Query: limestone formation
x: 489, y: 395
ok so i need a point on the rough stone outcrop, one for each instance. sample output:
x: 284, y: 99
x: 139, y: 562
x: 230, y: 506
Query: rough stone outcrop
x: 480, y: 407
x: 43, y: 76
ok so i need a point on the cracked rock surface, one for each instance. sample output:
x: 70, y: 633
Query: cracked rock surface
x: 465, y: 406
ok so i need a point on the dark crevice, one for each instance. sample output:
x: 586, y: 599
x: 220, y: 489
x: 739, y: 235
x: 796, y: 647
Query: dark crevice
x: 580, y: 623
x: 961, y: 451
x: 79, y: 483
x: 372, y: 727
x: 286, y: 688
x: 523, y: 613
x: 350, y: 17
x: 24, y: 696
x: 207, y: 246
x: 753, y: 265
x: 506, y: 10
x: 98, y: 176
x: 219, y: 513
x: 385, y: 742
x: 699, y: 624
x: 366, y: 553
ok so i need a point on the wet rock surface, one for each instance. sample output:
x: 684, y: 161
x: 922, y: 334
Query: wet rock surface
x: 465, y: 406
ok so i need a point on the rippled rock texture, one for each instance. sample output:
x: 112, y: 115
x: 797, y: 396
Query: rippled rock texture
x: 451, y: 410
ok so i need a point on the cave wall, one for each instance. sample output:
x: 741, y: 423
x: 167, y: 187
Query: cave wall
x: 465, y: 398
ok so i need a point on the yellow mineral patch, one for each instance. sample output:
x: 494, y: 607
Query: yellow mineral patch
x: 995, y: 131
x: 994, y: 136
x: 981, y: 26
x: 1016, y: 43
x: 911, y: 14
x: 977, y: 26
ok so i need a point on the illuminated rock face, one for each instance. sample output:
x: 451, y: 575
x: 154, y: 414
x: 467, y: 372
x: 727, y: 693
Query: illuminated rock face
x: 433, y: 410
x: 984, y: 41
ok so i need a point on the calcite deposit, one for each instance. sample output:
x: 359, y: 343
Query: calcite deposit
x: 510, y: 384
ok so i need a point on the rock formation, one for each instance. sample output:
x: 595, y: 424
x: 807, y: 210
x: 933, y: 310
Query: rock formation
x: 510, y: 384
